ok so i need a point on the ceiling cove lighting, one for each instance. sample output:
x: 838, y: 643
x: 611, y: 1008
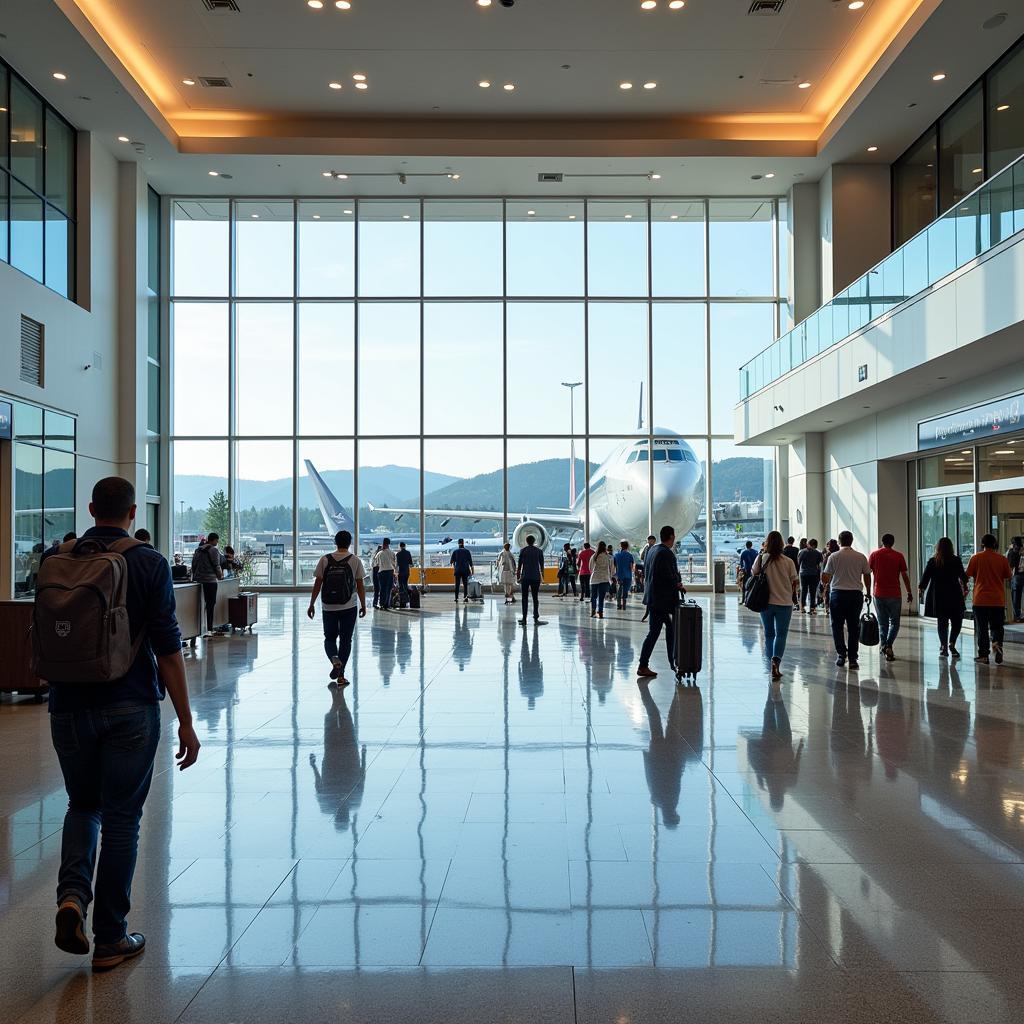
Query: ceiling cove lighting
x: 939, y: 76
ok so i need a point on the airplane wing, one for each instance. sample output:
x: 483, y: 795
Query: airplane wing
x: 544, y: 518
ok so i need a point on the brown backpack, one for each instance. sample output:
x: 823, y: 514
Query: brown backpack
x: 80, y: 631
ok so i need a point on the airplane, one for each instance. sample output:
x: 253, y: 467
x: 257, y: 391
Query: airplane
x: 618, y: 496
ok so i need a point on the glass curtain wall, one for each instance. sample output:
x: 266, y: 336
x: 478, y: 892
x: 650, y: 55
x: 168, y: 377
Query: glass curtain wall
x: 479, y: 368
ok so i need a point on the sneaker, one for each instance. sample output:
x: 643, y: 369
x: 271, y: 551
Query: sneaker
x: 997, y: 650
x: 889, y: 656
x: 840, y: 661
x: 943, y: 652
x: 981, y: 659
x: 646, y: 673
x: 854, y: 666
x: 593, y: 615
x: 108, y: 956
x: 70, y: 935
x: 522, y: 622
x: 776, y: 673
x: 337, y: 670
x: 600, y: 615
x: 954, y: 652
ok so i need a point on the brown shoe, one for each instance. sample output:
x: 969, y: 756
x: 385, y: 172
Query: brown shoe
x: 644, y: 672
x: 70, y: 935
x: 104, y: 958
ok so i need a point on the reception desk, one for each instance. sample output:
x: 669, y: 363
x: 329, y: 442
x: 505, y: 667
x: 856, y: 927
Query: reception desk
x: 188, y: 597
x: 15, y: 674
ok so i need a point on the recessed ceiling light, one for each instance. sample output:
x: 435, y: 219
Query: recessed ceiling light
x: 673, y: 216
x: 1006, y: 451
x: 255, y: 216
x: 509, y: 86
x: 188, y: 81
x: 405, y: 216
x: 455, y: 177
x: 1003, y: 106
x: 483, y: 3
x: 629, y: 216
x: 531, y: 213
x: 855, y: 5
x: 347, y: 211
x: 625, y: 85
x: 213, y: 174
x: 123, y: 138
x: 362, y: 85
x: 938, y: 76
x: 316, y: 216
x: 872, y: 149
x: 572, y: 216
x: 315, y: 4
x: 804, y: 85
x: 650, y: 85
x: 770, y: 174
x: 59, y: 75
x: 334, y: 85
x: 358, y: 78
x: 327, y: 174
x: 675, y: 5
x: 648, y: 5
x: 976, y: 170
x: 484, y: 84
x: 341, y: 176
x: 343, y: 5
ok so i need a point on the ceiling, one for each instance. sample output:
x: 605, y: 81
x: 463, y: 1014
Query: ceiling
x: 726, y: 107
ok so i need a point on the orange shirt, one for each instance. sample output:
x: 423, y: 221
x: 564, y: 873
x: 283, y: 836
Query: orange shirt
x: 989, y: 568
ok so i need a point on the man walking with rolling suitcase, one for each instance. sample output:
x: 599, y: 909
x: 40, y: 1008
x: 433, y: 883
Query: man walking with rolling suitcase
x: 663, y: 586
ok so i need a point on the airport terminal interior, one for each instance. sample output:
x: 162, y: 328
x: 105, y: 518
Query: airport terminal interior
x: 442, y: 275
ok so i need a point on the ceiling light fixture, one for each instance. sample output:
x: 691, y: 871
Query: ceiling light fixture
x: 188, y: 81
x: 625, y: 85
x: 676, y: 5
x: 60, y: 76
x: 976, y: 170
x: 341, y: 176
x: 213, y: 174
x: 362, y: 85
x: 855, y: 5
x: 1003, y: 106
x: 347, y: 211
x: 483, y: 3
x: 770, y: 174
x: 804, y: 85
x: 938, y: 76
x: 655, y: 176
x: 673, y: 216
x: 334, y: 85
x: 454, y: 177
x: 315, y: 4
x: 650, y: 85
x: 648, y: 5
x: 343, y: 5
x: 572, y: 216
x: 484, y: 84
x: 872, y: 149
x: 509, y: 86
x: 531, y: 213
x: 327, y: 174
x: 255, y: 216
x: 123, y: 138
x: 405, y: 216
x: 358, y: 77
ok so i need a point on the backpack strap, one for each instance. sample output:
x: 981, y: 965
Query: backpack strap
x: 123, y: 544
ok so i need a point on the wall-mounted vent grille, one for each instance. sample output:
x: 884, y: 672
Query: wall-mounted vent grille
x: 221, y: 6
x: 549, y: 176
x: 31, y: 351
x: 766, y: 7
x: 214, y: 83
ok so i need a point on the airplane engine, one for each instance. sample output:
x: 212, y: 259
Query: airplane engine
x: 521, y: 532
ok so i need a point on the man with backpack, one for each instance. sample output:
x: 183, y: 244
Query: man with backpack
x: 105, y: 636
x: 339, y: 583
x: 206, y: 571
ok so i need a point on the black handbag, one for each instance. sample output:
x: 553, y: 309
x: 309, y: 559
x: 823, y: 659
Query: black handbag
x: 758, y: 595
x: 868, y: 630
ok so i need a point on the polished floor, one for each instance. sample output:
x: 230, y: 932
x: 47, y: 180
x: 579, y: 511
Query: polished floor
x: 496, y: 823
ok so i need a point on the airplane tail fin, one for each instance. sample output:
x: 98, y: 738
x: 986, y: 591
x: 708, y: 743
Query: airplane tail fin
x: 640, y: 409
x: 336, y: 517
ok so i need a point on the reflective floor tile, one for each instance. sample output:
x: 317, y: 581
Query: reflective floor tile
x: 499, y: 938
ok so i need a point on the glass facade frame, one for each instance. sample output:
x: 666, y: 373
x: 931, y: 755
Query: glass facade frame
x: 38, y: 182
x: 417, y: 417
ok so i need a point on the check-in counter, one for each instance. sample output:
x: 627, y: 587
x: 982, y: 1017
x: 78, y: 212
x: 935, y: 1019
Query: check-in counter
x: 15, y: 674
x: 188, y: 597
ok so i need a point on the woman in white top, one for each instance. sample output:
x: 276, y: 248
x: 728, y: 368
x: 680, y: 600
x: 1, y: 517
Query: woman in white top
x: 600, y: 579
x: 507, y: 571
x: 782, y: 586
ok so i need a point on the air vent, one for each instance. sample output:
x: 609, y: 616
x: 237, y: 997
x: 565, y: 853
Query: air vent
x: 221, y: 6
x: 766, y: 7
x: 31, y: 351
x: 550, y: 176
x: 214, y: 83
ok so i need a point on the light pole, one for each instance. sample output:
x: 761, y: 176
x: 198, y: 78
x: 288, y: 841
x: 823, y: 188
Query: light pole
x: 572, y: 386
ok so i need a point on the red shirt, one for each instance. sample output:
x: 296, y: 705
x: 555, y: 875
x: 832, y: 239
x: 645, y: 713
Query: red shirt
x: 886, y: 565
x: 583, y: 559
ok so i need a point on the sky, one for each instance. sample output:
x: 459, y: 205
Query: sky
x: 462, y: 340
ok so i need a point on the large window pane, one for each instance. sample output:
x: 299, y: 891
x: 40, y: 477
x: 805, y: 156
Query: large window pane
x: 26, y: 231
x: 618, y: 367
x: 677, y: 248
x: 327, y: 391
x: 5, y: 130
x: 200, y: 338
x: 539, y: 478
x: 59, y: 431
x: 58, y: 495
x: 742, y: 500
x: 544, y: 242
x: 60, y: 163
x: 28, y: 517
x: 914, y: 188
x: 263, y: 508
x: 264, y: 249
x: 199, y: 494
x: 263, y: 347
x: 26, y: 135
x: 741, y: 247
x: 680, y: 367
x: 327, y: 233
x: 739, y: 330
x: 4, y: 215
x: 692, y: 544
x: 389, y: 368
x: 462, y: 368
x: 617, y: 248
x: 320, y: 520
x: 59, y: 245
x: 961, y: 160
x: 620, y: 491
x: 199, y: 248
x: 1006, y: 111
x: 389, y: 478
x: 462, y: 248
x: 545, y: 349
x: 389, y: 248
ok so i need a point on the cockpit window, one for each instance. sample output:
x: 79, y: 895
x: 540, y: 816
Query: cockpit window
x: 675, y: 455
x: 660, y: 455
x: 641, y: 456
x: 632, y: 457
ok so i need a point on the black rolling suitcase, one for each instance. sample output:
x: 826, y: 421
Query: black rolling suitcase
x: 689, y: 639
x: 414, y: 598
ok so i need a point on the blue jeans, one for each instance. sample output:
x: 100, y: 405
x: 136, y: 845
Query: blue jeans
x: 385, y: 584
x: 338, y: 630
x: 106, y: 756
x: 598, y: 592
x: 844, y: 610
x: 775, y: 619
x: 624, y: 585
x: 888, y: 611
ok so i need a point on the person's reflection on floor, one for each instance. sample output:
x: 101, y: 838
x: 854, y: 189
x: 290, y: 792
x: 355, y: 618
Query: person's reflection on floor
x: 771, y: 754
x: 403, y: 644
x: 599, y: 664
x: 949, y: 721
x: 851, y: 746
x: 892, y: 727
x: 625, y: 656
x: 341, y: 776
x: 994, y: 725
x: 382, y: 641
x: 666, y: 755
x: 531, y: 670
x: 462, y: 639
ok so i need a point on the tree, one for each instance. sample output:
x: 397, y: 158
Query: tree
x: 217, y: 518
